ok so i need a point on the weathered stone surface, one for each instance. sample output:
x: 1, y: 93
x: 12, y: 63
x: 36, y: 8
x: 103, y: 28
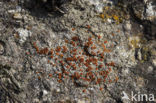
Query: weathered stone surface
x: 76, y: 51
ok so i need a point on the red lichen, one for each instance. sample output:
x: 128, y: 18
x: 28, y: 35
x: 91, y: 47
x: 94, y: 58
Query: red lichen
x: 58, y: 49
x: 76, y: 63
x: 75, y: 38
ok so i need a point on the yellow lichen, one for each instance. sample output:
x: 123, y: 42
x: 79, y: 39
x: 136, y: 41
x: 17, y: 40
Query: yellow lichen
x: 134, y: 42
x: 114, y: 13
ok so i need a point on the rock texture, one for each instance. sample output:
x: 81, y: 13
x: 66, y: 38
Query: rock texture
x: 77, y: 51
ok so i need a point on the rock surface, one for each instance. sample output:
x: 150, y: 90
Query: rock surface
x: 77, y: 51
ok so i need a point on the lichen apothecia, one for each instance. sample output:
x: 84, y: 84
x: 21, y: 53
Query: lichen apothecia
x: 75, y: 62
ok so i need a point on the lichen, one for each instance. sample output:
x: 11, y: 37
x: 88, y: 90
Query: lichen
x: 114, y: 13
x: 84, y: 63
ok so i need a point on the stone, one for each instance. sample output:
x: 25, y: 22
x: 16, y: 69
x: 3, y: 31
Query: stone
x: 23, y: 34
x: 17, y: 16
x: 1, y: 47
x: 154, y: 62
x: 48, y: 65
x: 150, y: 11
x: 128, y: 26
x: 150, y: 69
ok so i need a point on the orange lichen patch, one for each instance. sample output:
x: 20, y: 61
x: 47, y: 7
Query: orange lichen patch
x: 102, y: 55
x: 61, y: 55
x: 113, y: 34
x: 99, y: 37
x: 93, y: 47
x: 97, y: 69
x: 88, y: 26
x: 107, y: 72
x: 83, y: 61
x: 101, y: 88
x: 67, y: 66
x: 59, y: 80
x: 101, y: 65
x: 44, y: 51
x: 79, y: 65
x: 51, y: 51
x: 51, y: 57
x: 89, y: 69
x: 59, y: 75
x: 111, y: 64
x: 67, y: 73
x: 84, y: 90
x: 56, y: 59
x: 110, y: 69
x: 66, y: 41
x: 58, y: 49
x: 36, y: 47
x: 98, y: 80
x: 70, y: 59
x: 107, y: 50
x: 94, y: 60
x: 101, y: 73
x: 116, y: 79
x: 57, y: 54
x: 75, y: 38
x: 74, y: 50
x: 90, y: 42
x: 37, y: 72
x: 39, y: 78
x: 73, y: 29
x: 101, y: 59
x: 118, y: 30
x: 70, y: 64
x: 64, y: 50
x: 50, y: 75
x: 89, y: 39
x: 73, y: 43
x: 77, y: 75
x: 48, y: 61
x: 105, y: 41
x: 110, y: 81
x: 61, y: 62
x: 81, y: 70
x: 103, y: 45
x: 74, y: 66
